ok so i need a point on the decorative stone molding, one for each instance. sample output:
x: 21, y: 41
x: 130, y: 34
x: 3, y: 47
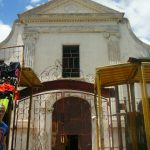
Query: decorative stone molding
x: 87, y: 17
x: 74, y: 28
x: 29, y: 39
x: 112, y: 35
x: 69, y: 8
x: 114, y: 55
x: 54, y: 72
x: 106, y: 35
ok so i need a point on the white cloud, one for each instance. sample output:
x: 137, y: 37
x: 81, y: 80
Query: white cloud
x: 145, y: 40
x: 29, y: 7
x: 35, y: 1
x: 139, y: 16
x: 138, y: 13
x: 4, y: 31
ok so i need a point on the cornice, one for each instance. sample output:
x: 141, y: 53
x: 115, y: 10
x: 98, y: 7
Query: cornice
x: 73, y: 28
x: 37, y: 18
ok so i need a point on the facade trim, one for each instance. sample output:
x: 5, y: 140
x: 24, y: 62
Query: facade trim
x: 65, y: 85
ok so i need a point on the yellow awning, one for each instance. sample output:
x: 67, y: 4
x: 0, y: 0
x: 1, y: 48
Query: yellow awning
x: 28, y: 78
x: 122, y: 73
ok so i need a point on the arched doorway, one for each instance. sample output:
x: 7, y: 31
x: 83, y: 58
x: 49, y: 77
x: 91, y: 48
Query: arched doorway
x: 71, y: 125
x: 44, y: 99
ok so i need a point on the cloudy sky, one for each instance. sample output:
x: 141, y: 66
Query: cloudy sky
x: 137, y: 11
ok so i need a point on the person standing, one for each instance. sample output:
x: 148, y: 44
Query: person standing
x: 3, y: 129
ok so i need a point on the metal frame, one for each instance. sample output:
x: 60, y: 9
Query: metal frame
x: 138, y: 70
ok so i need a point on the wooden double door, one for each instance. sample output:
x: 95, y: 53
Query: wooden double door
x: 71, y: 125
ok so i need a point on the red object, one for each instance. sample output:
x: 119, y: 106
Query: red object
x: 8, y: 87
x: 17, y: 96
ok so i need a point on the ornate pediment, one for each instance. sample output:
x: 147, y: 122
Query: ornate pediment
x: 70, y: 7
x: 56, y: 9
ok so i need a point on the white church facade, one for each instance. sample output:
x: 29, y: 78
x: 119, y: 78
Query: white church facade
x: 64, y: 41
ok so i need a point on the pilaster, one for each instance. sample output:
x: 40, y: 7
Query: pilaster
x: 30, y: 39
x: 113, y: 47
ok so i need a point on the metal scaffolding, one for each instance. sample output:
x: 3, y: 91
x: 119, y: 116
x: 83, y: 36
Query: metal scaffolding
x: 27, y: 78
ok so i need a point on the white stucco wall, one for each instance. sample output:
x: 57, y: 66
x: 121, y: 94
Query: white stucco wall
x: 92, y: 38
x: 93, y: 49
x: 131, y: 46
x: 15, y: 36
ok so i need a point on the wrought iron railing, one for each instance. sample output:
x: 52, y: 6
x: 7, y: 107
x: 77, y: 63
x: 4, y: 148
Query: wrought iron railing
x: 12, y: 54
x: 41, y: 118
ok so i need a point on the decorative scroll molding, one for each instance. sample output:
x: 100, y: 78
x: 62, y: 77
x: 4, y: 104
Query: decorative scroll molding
x: 30, y: 39
x: 54, y: 72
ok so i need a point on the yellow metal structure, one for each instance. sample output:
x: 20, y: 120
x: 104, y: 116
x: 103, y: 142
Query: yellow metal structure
x: 28, y: 78
x: 125, y: 74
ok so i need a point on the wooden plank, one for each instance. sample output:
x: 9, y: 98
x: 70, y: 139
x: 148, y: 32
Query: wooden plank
x: 28, y: 78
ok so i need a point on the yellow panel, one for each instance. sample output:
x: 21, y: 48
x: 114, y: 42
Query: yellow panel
x: 116, y: 74
x: 28, y: 78
x: 122, y: 73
